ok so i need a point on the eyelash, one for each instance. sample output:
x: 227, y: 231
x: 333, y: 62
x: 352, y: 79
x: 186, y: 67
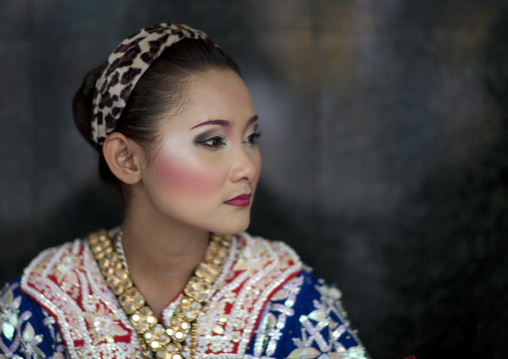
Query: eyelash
x: 216, y: 142
x: 253, y: 138
x: 212, y: 142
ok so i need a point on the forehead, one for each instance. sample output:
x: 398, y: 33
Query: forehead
x: 214, y: 95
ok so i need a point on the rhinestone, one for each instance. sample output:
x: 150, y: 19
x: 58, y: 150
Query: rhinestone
x: 184, y: 325
x: 163, y: 338
x: 188, y: 314
x: 154, y: 344
x: 135, y: 317
x: 195, y: 305
x: 150, y: 319
x: 148, y: 335
x: 144, y: 311
x: 177, y: 356
x: 161, y: 354
x: 179, y: 335
x: 170, y: 348
x: 138, y: 300
x: 157, y: 329
x: 169, y: 331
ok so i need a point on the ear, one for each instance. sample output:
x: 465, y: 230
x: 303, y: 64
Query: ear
x: 123, y: 157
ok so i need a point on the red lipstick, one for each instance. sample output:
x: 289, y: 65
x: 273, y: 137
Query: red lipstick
x: 242, y: 200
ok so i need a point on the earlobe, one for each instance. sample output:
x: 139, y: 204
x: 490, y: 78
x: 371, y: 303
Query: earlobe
x: 122, y: 156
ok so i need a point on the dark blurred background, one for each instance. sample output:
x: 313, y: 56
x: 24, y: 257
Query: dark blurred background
x: 385, y: 142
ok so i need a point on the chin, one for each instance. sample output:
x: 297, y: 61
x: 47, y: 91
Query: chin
x: 232, y: 228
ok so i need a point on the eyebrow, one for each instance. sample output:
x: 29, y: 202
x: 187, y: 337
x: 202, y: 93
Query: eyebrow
x: 252, y: 119
x: 223, y: 123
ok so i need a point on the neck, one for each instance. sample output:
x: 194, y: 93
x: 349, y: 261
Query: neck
x: 161, y: 253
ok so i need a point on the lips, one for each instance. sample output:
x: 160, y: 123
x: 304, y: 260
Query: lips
x: 242, y: 200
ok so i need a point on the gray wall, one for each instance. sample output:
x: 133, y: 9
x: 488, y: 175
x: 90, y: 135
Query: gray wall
x: 385, y: 127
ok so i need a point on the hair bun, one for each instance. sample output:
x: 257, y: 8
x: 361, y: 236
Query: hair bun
x: 82, y: 104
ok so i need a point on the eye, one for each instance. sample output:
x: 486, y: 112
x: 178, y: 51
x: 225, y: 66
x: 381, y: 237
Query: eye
x: 253, y: 138
x: 213, y: 142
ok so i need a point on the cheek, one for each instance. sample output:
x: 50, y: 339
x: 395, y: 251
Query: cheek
x: 187, y: 178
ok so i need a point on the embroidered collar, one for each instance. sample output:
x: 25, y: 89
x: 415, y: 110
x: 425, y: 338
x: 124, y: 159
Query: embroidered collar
x: 68, y: 283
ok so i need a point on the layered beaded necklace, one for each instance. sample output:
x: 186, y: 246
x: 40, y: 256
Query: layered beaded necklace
x: 164, y: 343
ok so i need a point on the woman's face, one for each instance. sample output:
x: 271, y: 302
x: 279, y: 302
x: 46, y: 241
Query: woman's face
x: 207, y: 167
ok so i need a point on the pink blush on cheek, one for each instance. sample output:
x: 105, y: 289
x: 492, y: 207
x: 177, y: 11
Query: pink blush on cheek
x: 186, y: 178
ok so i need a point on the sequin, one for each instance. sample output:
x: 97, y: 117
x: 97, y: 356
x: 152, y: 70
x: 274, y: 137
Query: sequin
x: 8, y: 330
x: 218, y: 329
x: 317, y: 315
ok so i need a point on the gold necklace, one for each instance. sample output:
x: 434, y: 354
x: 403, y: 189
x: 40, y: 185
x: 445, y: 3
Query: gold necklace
x: 165, y: 343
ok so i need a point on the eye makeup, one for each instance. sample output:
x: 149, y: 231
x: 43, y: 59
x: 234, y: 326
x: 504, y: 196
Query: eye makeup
x: 210, y: 138
x: 202, y: 137
x: 253, y: 137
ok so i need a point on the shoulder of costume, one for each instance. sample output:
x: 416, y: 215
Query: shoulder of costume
x: 261, y: 259
x: 12, y: 295
x: 254, y: 270
x: 306, y: 307
x: 272, y: 251
x: 27, y: 329
x: 66, y: 281
x: 55, y: 267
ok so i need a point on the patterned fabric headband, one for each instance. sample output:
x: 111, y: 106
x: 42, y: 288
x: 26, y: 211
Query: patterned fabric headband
x: 124, y: 68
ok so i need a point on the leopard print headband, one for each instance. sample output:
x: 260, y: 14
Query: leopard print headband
x: 124, y: 68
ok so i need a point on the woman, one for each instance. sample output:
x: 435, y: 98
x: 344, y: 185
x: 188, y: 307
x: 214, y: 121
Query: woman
x: 176, y: 131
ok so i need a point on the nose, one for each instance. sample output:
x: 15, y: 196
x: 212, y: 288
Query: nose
x: 245, y: 166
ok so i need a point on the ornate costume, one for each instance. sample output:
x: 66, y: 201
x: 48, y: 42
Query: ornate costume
x: 262, y: 305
